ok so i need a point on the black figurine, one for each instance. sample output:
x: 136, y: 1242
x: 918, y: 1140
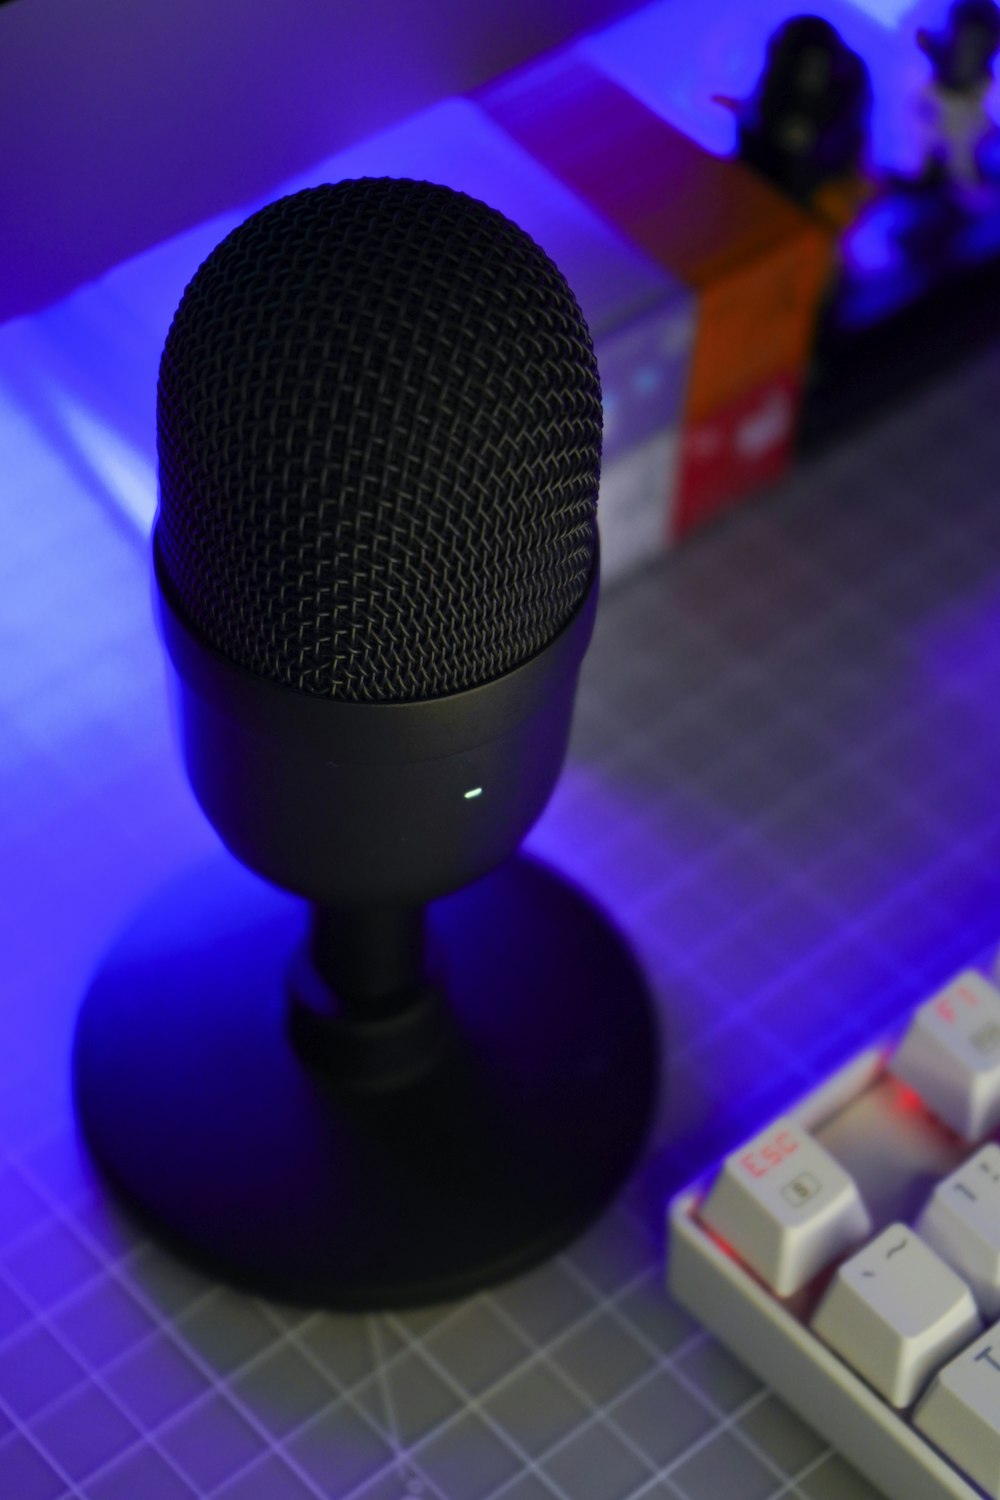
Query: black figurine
x: 806, y: 125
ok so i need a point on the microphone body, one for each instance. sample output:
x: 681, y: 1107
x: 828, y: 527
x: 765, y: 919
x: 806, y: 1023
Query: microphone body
x: 373, y: 804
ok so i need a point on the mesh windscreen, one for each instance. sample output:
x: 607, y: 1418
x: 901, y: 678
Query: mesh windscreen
x: 379, y: 430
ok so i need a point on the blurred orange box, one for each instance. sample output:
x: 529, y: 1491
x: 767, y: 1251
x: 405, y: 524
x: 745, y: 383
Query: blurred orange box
x: 757, y: 263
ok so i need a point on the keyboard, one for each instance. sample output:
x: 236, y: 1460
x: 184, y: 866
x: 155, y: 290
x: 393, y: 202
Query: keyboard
x: 849, y: 1252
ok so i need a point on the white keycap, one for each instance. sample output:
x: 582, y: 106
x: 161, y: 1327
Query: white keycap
x: 894, y: 1312
x: 785, y: 1206
x: 951, y: 1055
x: 961, y: 1411
x: 961, y: 1221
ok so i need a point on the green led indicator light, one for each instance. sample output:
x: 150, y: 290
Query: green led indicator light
x: 476, y: 791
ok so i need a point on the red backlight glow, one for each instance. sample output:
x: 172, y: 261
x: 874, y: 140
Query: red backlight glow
x: 906, y: 1099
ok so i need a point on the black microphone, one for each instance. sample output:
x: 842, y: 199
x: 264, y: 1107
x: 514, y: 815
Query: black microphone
x: 379, y: 428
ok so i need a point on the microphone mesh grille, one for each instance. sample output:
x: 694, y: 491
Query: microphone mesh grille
x: 379, y: 430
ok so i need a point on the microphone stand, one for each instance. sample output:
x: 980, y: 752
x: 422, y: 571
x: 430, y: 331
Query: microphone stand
x: 362, y: 1009
x: 379, y: 1095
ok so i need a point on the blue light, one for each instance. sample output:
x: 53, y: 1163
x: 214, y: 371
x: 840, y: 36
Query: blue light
x: 888, y: 13
x: 646, y: 380
x: 872, y: 244
x: 128, y: 475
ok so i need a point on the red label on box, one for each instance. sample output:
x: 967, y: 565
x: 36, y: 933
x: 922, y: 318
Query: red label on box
x: 731, y: 452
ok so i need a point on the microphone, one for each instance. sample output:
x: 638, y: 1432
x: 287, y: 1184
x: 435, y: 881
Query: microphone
x: 379, y: 429
x: 432, y: 1063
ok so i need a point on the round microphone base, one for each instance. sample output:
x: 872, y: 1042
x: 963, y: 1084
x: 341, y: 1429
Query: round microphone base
x: 281, y: 1179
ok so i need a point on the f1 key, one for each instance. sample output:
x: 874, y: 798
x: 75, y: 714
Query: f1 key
x: 951, y: 1055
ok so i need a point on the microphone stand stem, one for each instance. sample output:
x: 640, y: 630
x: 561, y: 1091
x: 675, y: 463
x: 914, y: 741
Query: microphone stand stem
x: 363, y: 1012
x: 370, y: 958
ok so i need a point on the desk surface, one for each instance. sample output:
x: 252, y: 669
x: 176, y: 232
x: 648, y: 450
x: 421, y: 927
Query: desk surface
x: 783, y: 783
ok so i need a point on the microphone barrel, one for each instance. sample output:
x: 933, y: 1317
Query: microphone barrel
x: 357, y: 805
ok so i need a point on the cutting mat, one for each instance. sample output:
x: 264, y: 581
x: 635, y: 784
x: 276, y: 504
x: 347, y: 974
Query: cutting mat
x: 784, y: 784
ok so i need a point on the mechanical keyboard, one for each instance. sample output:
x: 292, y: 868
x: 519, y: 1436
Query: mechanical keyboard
x: 849, y: 1252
